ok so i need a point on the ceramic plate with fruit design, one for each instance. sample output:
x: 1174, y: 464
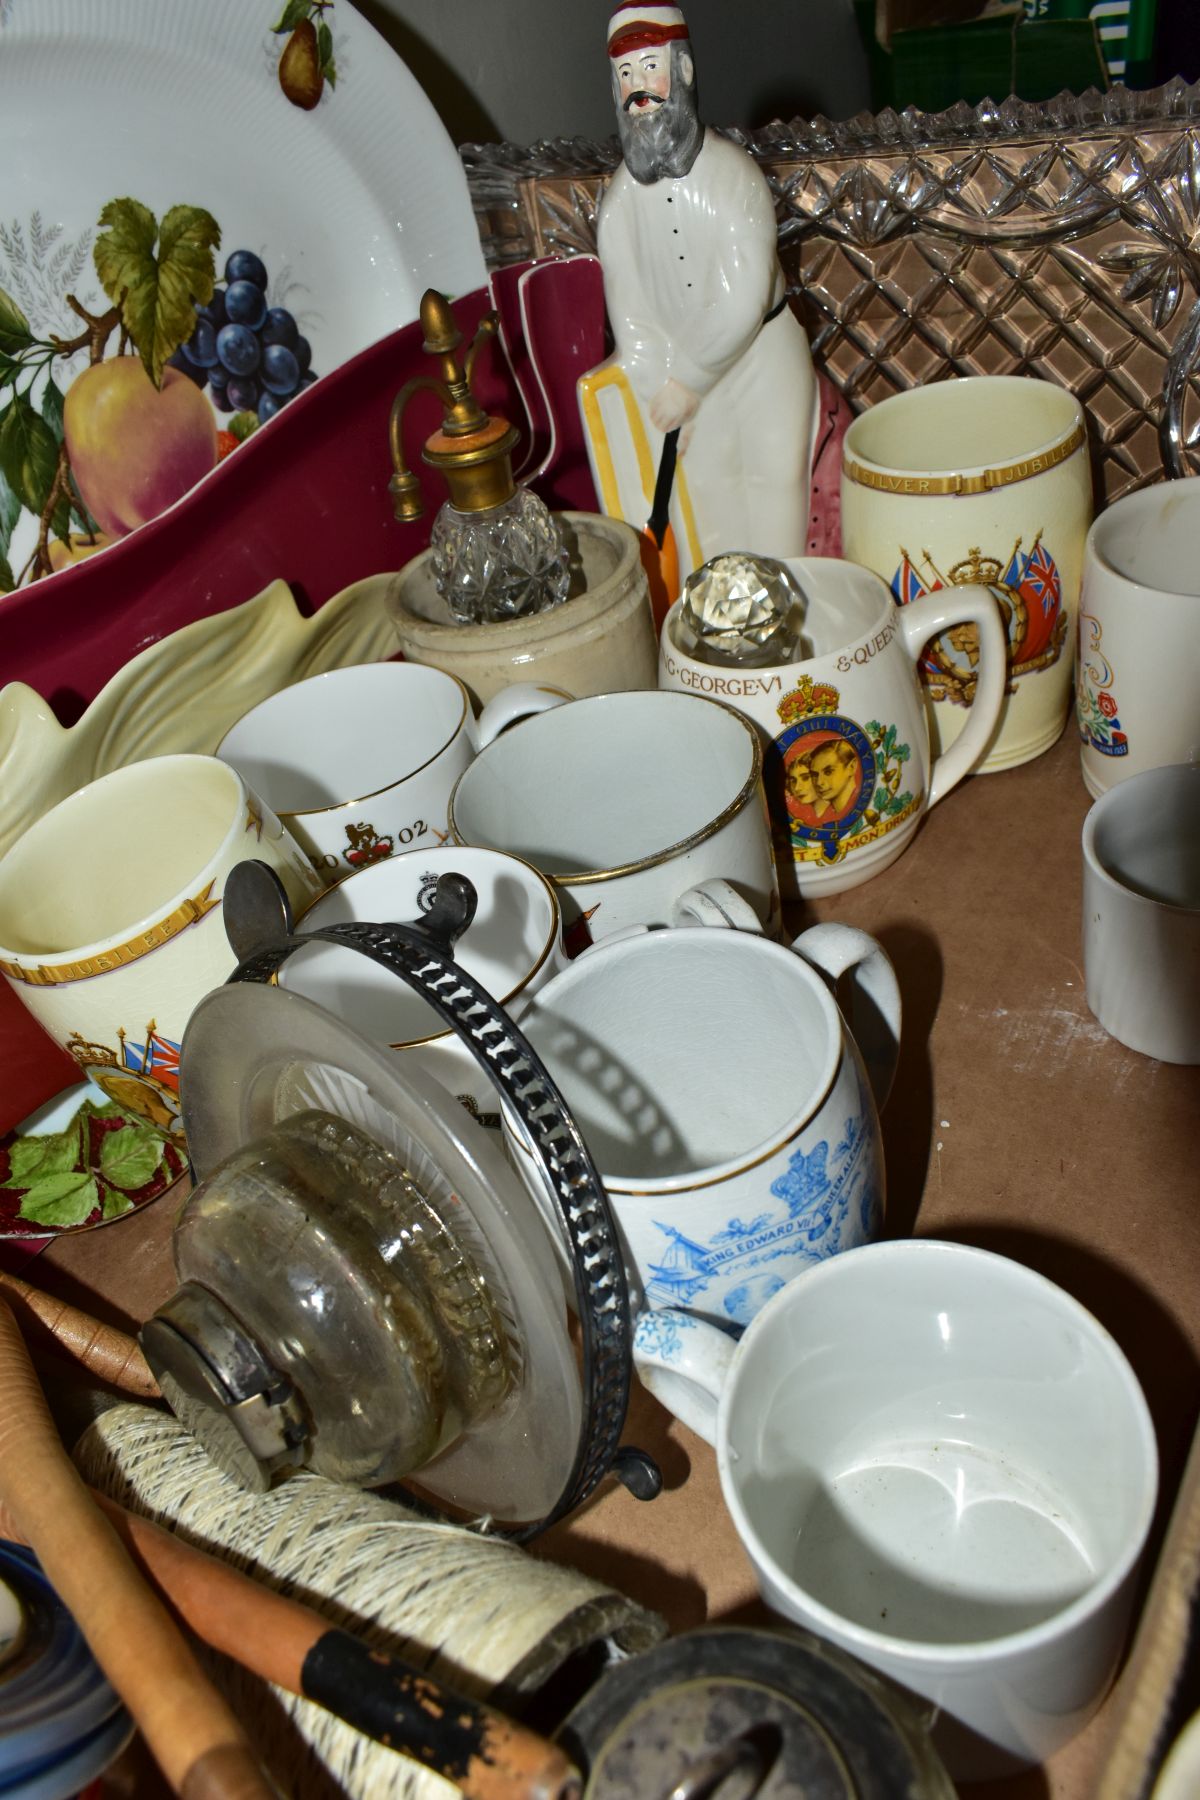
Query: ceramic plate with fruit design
x: 212, y: 204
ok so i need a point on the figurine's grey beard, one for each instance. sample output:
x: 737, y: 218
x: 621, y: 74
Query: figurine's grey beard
x: 666, y: 140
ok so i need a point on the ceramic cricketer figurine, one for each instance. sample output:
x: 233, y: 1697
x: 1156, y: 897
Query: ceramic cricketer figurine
x: 705, y: 342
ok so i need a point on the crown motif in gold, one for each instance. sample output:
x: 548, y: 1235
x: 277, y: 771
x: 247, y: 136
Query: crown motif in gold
x: 808, y: 697
x: 976, y: 569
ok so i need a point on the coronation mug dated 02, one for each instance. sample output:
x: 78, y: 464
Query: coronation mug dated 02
x: 359, y: 762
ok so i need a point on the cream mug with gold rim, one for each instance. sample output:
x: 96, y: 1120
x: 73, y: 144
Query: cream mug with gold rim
x: 848, y: 769
x: 111, y: 924
x: 981, y: 479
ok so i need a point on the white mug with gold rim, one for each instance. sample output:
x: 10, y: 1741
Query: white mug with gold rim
x: 979, y: 479
x: 626, y: 801
x: 359, y: 762
x: 111, y: 923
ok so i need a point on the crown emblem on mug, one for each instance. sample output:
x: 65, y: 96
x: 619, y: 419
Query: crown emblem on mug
x: 976, y: 569
x: 808, y: 697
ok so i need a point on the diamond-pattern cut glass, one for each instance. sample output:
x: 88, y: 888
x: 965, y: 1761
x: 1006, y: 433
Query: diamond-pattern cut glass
x: 1060, y: 240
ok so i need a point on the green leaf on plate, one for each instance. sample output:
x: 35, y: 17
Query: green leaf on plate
x: 292, y: 14
x: 66, y: 1199
x: 130, y: 1156
x: 52, y: 409
x: 10, y: 512
x: 7, y: 579
x: 15, y: 334
x: 115, y: 1203
x: 33, y: 1159
x: 28, y: 453
x: 160, y: 290
x: 325, y: 53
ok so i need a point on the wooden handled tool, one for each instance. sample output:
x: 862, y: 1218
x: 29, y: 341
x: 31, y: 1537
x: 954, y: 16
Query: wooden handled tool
x: 190, y: 1730
x: 487, y: 1756
x: 110, y: 1355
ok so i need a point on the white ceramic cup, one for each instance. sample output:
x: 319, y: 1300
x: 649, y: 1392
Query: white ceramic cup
x: 359, y: 762
x: 941, y: 1462
x: 111, y: 925
x: 981, y: 479
x: 848, y: 769
x: 1141, y: 912
x: 724, y: 1102
x: 512, y: 946
x: 626, y: 801
x: 1137, y: 679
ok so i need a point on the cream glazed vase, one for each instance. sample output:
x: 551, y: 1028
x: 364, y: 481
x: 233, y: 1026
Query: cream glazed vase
x: 599, y: 641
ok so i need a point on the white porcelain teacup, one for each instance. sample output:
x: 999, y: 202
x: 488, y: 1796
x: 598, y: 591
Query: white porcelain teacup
x: 512, y: 946
x: 111, y: 926
x: 724, y: 1102
x: 942, y: 1463
x: 626, y: 801
x: 359, y: 762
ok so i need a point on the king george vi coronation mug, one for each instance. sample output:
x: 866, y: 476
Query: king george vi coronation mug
x: 1141, y: 912
x: 626, y: 801
x: 725, y: 1102
x: 111, y: 927
x: 940, y: 1462
x: 848, y: 770
x: 359, y: 762
x: 1137, y: 679
x: 983, y: 479
x: 512, y: 946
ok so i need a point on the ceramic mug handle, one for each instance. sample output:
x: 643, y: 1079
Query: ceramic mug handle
x: 511, y: 705
x: 934, y: 613
x: 684, y: 1362
x: 872, y: 998
x: 715, y: 902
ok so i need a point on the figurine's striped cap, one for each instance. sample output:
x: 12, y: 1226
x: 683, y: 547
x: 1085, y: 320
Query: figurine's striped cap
x: 634, y: 26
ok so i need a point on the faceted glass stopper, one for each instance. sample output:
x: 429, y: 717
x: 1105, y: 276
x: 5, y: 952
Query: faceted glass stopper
x: 504, y: 563
x: 740, y: 608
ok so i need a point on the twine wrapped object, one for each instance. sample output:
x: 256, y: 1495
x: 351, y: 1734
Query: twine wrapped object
x: 474, y: 1611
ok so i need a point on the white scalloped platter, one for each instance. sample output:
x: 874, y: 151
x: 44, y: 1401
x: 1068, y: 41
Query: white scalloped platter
x: 353, y: 205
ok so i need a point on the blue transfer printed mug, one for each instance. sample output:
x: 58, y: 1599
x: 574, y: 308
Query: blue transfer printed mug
x: 726, y: 1102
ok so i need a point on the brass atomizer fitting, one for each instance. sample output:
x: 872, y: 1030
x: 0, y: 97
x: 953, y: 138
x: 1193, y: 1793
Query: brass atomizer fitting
x: 473, y: 450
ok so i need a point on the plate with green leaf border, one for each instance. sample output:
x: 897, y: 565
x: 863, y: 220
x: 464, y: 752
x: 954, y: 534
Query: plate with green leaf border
x: 79, y: 1162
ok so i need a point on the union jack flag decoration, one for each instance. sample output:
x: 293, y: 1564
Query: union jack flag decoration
x: 1040, y: 585
x: 158, y: 1057
x: 907, y: 585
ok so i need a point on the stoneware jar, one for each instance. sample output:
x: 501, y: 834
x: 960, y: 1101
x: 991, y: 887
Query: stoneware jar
x: 598, y: 641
